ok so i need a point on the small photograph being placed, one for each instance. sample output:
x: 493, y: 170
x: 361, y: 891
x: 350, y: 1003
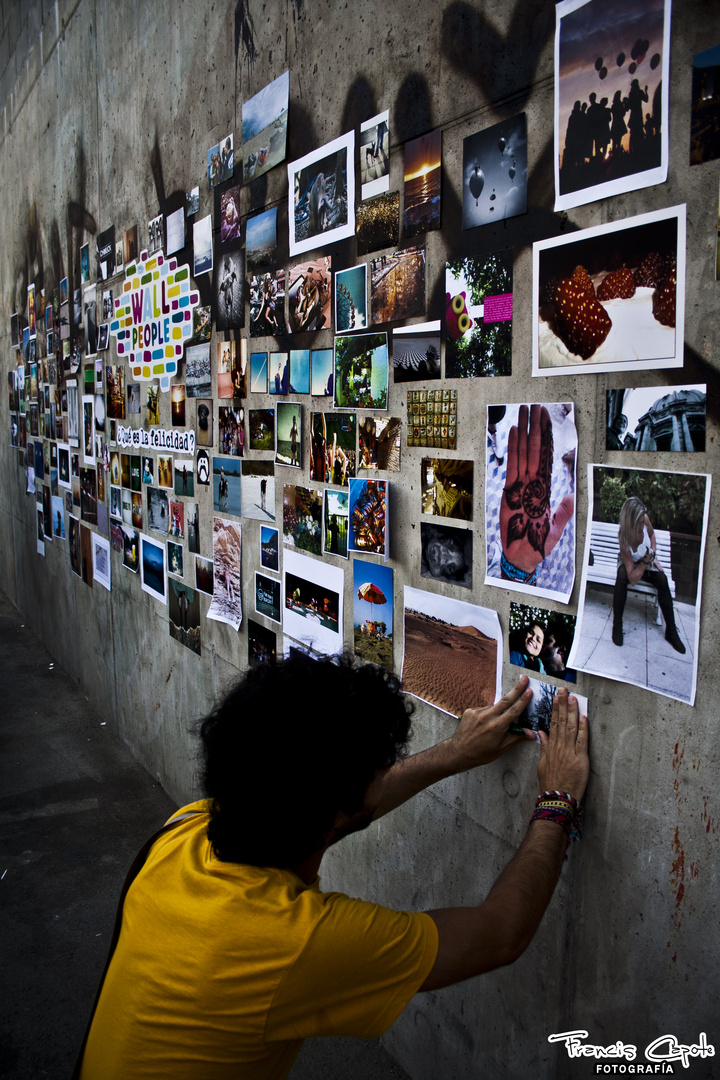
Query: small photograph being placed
x: 495, y: 173
x: 657, y: 418
x: 639, y: 613
x: 423, y: 183
x: 540, y: 640
x: 538, y: 714
x: 447, y: 488
x: 446, y: 554
x: 397, y: 285
x: 416, y: 352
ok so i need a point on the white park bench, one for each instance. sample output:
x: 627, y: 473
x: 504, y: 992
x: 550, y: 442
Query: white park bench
x: 606, y: 549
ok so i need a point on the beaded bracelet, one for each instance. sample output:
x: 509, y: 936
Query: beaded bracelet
x: 562, y: 808
x: 511, y: 573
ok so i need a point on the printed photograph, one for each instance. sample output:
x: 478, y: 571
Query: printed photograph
x: 262, y: 429
x: 446, y: 554
x: 176, y: 559
x: 225, y: 364
x: 220, y: 163
x: 261, y: 240
x: 378, y: 223
x: 258, y: 490
x: 177, y: 401
x: 198, y: 372
x: 204, y: 575
x: 368, y: 530
x: 204, y: 425
x: 184, y: 615
x: 130, y: 245
x: 612, y: 61
x: 229, y: 213
x: 321, y: 195
x: 540, y: 640
x: 302, y: 518
x: 165, y: 477
x: 351, y: 299
x: 192, y: 201
x: 226, y: 604
x: 264, y: 128
x: 416, y: 352
x: 397, y: 285
x: 299, y: 371
x: 310, y: 294
x: 131, y: 548
x: 152, y: 568
x: 262, y: 644
x: 227, y: 490
x: 379, y: 443
x: 656, y: 418
x: 495, y: 173
x: 639, y: 611
x: 538, y: 714
x: 335, y: 523
x: 175, y: 231
x: 203, y: 246
x: 321, y: 372
x: 705, y: 115
x: 267, y: 597
x: 231, y: 430
x: 373, y: 612
x: 192, y: 522
x: 90, y: 320
x: 158, y: 510
x: 288, y: 441
x: 267, y: 304
x: 84, y: 265
x: 177, y: 519
x: 375, y: 155
x: 259, y: 373
x: 332, y: 447
x: 423, y: 183
x: 453, y: 652
x: 611, y: 297
x: 269, y: 548
x: 279, y: 372
x: 478, y: 316
x: 313, y: 602
x: 156, y: 234
x: 105, y: 248
x: 530, y: 486
x: 361, y: 372
x: 101, y: 560
x: 447, y: 488
x: 229, y: 289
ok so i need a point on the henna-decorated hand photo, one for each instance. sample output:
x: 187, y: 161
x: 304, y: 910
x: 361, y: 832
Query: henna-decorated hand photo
x: 528, y: 529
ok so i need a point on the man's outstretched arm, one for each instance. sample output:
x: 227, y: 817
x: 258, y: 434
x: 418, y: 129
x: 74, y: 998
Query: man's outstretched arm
x: 475, y: 940
x: 481, y: 736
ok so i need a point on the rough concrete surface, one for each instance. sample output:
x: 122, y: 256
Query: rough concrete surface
x: 107, y: 114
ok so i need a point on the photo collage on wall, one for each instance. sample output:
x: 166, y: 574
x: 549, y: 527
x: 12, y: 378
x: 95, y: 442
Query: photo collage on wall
x: 240, y: 360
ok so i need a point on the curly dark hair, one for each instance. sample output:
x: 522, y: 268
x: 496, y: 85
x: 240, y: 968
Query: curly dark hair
x: 290, y: 746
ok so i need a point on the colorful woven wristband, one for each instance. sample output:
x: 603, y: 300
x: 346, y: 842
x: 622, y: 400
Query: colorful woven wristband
x: 562, y: 808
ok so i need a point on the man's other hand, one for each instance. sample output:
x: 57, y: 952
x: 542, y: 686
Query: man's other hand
x: 564, y: 763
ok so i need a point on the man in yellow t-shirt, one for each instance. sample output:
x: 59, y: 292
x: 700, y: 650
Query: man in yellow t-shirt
x: 229, y: 954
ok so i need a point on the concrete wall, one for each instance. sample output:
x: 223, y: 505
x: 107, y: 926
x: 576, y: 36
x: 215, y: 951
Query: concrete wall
x: 108, y: 110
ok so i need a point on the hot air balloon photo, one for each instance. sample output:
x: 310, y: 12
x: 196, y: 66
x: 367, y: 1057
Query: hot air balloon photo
x: 373, y: 612
x: 495, y: 173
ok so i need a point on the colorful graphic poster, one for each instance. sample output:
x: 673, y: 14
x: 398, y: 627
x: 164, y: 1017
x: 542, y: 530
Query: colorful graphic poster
x: 264, y: 128
x: 612, y: 70
x: 313, y: 602
x: 261, y: 240
x: 269, y: 548
x: 302, y: 518
x: 495, y: 173
x: 373, y: 612
x: 416, y: 352
x: 226, y: 605
x: 309, y: 295
x: 369, y: 529
x: 361, y: 372
x: 262, y: 644
x: 258, y: 490
x: 375, y: 155
x: 378, y: 223
x: 540, y: 640
x: 227, y: 485
x: 639, y: 612
x: 267, y: 597
x: 657, y: 418
x: 332, y: 447
x: 335, y: 523
x: 153, y: 573
x: 397, y: 285
x: 446, y: 554
x: 321, y: 195
x: 379, y: 443
x: 478, y: 316
x: 184, y: 615
x: 705, y: 115
x: 447, y: 487
x: 530, y: 499
x: 453, y: 652
x: 351, y: 299
x: 611, y: 298
x: 423, y: 183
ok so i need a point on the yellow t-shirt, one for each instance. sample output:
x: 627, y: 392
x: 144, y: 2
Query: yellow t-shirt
x: 221, y: 970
